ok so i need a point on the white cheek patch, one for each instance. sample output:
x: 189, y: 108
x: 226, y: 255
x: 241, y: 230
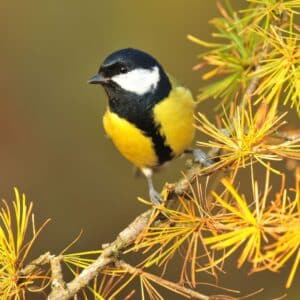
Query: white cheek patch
x: 138, y: 81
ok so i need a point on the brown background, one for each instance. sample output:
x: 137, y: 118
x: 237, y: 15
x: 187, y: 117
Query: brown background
x: 52, y: 143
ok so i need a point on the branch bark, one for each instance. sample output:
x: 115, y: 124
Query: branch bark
x: 125, y: 238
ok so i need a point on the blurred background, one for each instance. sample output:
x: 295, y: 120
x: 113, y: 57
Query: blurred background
x: 53, y: 146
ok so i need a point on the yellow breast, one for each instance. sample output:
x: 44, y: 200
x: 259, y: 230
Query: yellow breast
x: 174, y: 117
x: 129, y: 140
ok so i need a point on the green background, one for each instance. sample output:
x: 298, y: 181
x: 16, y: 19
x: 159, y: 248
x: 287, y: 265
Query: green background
x: 53, y: 146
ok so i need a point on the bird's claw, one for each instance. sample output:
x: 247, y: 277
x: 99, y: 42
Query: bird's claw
x: 155, y: 197
x: 202, y: 158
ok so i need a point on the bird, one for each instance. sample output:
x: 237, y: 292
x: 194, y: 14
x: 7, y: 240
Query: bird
x: 149, y: 116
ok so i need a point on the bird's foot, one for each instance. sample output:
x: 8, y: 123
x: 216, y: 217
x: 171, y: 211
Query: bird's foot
x: 201, y: 157
x: 155, y: 197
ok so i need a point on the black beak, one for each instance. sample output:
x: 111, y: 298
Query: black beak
x: 97, y: 79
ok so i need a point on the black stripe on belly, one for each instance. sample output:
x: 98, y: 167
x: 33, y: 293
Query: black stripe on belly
x: 163, y: 151
x: 141, y: 115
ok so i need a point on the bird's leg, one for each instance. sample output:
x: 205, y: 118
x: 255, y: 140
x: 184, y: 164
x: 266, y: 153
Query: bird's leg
x: 200, y: 157
x: 155, y: 196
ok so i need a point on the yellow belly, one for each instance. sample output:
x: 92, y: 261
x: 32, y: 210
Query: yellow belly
x: 130, y: 141
x: 175, y: 116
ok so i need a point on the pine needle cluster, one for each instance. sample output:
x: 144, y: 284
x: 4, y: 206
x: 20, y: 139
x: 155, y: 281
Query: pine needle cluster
x: 16, y: 241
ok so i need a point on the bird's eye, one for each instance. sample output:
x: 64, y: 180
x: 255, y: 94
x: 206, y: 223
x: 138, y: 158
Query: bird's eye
x: 123, y: 69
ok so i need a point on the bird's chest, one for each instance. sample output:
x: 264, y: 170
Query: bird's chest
x: 131, y: 141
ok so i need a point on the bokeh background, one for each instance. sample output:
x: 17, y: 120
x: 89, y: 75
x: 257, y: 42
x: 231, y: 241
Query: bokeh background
x: 53, y: 146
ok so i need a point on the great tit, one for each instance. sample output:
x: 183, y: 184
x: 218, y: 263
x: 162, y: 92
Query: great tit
x: 149, y: 116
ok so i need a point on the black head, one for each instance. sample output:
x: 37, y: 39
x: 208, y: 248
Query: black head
x: 131, y: 71
x: 126, y: 60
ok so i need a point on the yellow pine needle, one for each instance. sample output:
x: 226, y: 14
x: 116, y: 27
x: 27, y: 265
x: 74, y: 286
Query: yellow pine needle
x: 246, y: 138
x: 240, y: 225
x: 293, y: 270
x: 110, y: 285
x: 297, y: 197
x: 107, y: 285
x: 122, y: 287
x: 181, y: 233
x: 238, y: 58
x: 244, y: 212
x: 234, y: 58
x: 169, y: 246
x: 279, y: 219
x: 96, y: 295
x: 201, y: 42
x: 14, y: 248
x: 287, y: 242
x: 147, y: 286
x: 211, y: 73
x: 280, y: 71
x: 279, y: 4
x: 79, y: 260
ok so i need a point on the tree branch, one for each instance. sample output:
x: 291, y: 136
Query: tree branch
x: 125, y: 238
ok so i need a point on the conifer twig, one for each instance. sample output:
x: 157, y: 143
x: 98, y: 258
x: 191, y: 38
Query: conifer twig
x: 37, y: 263
x: 191, y: 294
x: 255, y: 80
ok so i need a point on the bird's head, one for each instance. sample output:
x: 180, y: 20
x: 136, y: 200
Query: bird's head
x: 131, y: 71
